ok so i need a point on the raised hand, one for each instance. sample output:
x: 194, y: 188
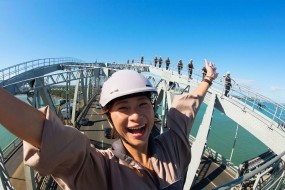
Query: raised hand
x: 211, y: 70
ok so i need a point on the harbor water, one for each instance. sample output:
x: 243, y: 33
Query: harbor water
x: 5, y: 136
x: 222, y: 134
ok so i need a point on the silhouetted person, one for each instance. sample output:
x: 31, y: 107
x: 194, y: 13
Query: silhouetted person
x: 180, y: 66
x: 133, y: 61
x: 142, y: 60
x: 159, y: 62
x: 228, y: 83
x: 190, y: 69
x: 155, y: 61
x: 167, y: 63
x: 204, y: 72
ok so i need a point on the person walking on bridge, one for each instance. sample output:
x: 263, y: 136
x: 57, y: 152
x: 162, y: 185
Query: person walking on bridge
x: 160, y: 62
x: 137, y: 160
x: 204, y: 72
x: 190, y: 69
x: 167, y: 63
x: 155, y: 61
x: 179, y: 66
x: 142, y: 59
x: 227, y: 83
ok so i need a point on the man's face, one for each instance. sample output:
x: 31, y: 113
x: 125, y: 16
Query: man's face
x: 133, y: 119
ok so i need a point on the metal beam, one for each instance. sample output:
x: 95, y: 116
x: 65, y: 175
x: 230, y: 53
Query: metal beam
x: 199, y: 144
x: 29, y: 178
x: 251, y: 174
x: 4, y: 177
x: 75, y: 97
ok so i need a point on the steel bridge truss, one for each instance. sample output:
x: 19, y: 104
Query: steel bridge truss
x: 88, y: 79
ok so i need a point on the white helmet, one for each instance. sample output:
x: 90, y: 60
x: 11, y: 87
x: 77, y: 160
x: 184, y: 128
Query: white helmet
x: 122, y: 83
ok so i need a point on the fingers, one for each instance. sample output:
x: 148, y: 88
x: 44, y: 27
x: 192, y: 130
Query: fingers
x: 206, y: 63
x: 210, y: 64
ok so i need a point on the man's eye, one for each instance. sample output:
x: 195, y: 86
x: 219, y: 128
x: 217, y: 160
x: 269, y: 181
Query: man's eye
x: 123, y: 108
x: 143, y: 104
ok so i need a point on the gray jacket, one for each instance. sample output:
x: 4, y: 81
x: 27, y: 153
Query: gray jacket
x: 74, y: 163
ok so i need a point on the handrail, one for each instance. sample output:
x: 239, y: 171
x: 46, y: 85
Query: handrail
x: 17, y: 69
x: 275, y: 111
x: 259, y: 103
x: 4, y: 177
x: 245, y: 94
x: 248, y: 96
x: 249, y: 175
x: 13, y: 144
x: 58, y: 80
x: 237, y: 87
x: 11, y: 148
x: 251, y: 98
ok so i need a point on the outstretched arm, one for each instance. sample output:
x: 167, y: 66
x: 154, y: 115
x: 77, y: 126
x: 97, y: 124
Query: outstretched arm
x: 21, y: 119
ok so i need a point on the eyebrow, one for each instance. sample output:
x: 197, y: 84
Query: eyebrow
x: 125, y: 101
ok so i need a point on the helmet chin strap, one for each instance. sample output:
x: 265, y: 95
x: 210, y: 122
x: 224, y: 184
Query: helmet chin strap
x: 114, y: 128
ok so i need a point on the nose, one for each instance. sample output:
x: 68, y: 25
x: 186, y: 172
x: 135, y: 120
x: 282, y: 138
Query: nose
x: 135, y: 116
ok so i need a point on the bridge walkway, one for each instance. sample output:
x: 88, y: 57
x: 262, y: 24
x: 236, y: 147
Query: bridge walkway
x: 95, y: 130
x: 15, y: 169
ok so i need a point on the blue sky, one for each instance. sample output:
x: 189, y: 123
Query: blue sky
x: 245, y: 37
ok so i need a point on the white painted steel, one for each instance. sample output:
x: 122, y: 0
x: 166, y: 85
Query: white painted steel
x: 262, y: 127
x: 198, y: 145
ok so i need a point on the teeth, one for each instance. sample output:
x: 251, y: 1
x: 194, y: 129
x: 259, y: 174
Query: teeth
x: 136, y: 128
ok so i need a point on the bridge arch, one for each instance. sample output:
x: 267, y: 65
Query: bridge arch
x: 34, y: 78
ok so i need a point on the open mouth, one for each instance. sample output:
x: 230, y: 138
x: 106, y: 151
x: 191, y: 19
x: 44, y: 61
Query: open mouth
x: 137, y: 130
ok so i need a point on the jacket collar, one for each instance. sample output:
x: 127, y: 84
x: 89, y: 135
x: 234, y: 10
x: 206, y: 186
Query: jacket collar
x: 120, y: 151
